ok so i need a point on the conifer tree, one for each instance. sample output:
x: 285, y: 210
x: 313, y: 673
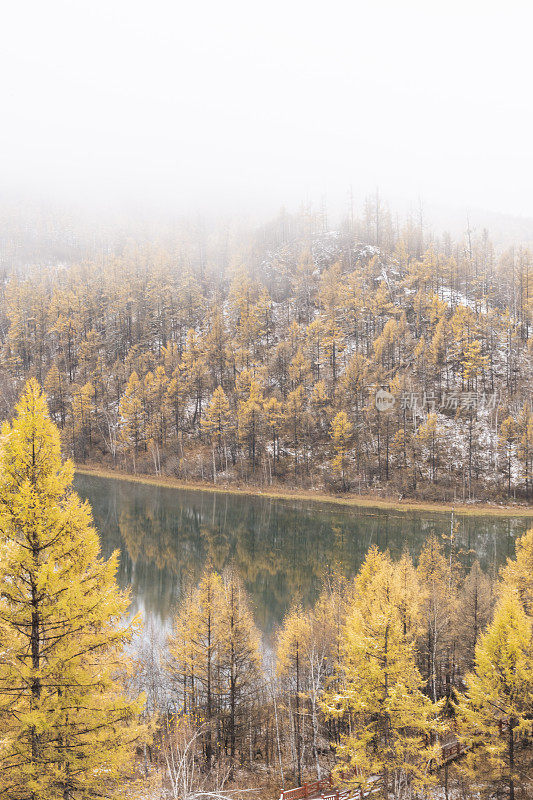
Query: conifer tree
x: 294, y: 419
x: 273, y: 411
x: 250, y: 418
x: 131, y: 410
x: 428, y: 437
x: 507, y: 441
x: 381, y: 688
x: 55, y: 387
x: 81, y: 419
x: 216, y: 422
x: 291, y: 663
x: 175, y: 401
x: 525, y: 445
x: 216, y: 661
x: 518, y: 572
x: 217, y: 417
x: 496, y: 710
x: 199, y: 624
x: 240, y: 658
x: 473, y: 612
x: 435, y: 576
x: 341, y: 430
x: 66, y: 728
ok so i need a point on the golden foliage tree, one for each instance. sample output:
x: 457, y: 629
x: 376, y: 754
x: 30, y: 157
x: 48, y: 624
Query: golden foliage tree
x: 518, y: 572
x: 293, y: 640
x: 341, y: 431
x: 507, y: 442
x: 381, y: 687
x: 132, y: 413
x: 497, y: 707
x: 215, y: 660
x: 66, y: 728
x: 217, y: 423
x: 435, y: 575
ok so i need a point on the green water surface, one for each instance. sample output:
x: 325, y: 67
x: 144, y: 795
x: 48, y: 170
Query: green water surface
x: 281, y: 548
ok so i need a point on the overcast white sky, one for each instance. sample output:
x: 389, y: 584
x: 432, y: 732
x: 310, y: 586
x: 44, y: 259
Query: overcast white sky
x: 239, y: 105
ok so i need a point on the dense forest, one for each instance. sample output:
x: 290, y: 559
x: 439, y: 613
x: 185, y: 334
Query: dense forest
x: 370, y: 685
x: 373, y: 687
x: 376, y: 357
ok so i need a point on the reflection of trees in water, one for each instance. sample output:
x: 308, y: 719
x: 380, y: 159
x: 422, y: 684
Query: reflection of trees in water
x: 279, y: 548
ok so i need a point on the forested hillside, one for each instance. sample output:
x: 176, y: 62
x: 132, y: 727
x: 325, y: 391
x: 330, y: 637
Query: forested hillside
x: 256, y: 356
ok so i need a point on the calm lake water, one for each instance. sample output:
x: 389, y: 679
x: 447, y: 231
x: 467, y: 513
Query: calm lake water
x: 280, y: 547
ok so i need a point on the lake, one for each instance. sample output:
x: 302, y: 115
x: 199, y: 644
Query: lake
x: 281, y: 548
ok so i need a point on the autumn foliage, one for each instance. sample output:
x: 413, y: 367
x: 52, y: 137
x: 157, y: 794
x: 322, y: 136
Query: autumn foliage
x: 67, y: 729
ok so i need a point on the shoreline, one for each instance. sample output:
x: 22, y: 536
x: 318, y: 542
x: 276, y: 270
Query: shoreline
x: 349, y: 500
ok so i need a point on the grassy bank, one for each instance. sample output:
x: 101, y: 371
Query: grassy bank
x: 355, y: 500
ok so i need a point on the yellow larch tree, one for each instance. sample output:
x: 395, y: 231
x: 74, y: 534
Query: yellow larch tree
x: 299, y: 369
x: 435, y: 575
x: 322, y: 651
x: 175, y: 401
x: 381, y: 689
x: 518, y: 572
x: 217, y: 423
x: 341, y: 431
x: 316, y: 335
x: 507, y: 444
x: 216, y: 663
x: 250, y: 419
x: 82, y: 406
x: 66, y: 727
x: 524, y: 426
x: 320, y: 407
x: 472, y: 613
x: 155, y: 390
x: 132, y: 414
x: 295, y: 413
x: 55, y: 386
x: 291, y: 665
x: 240, y: 659
x: 496, y: 710
x: 196, y: 649
x: 273, y: 411
x: 427, y: 437
x: 195, y: 371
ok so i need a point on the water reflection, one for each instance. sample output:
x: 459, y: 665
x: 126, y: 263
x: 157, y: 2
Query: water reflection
x: 166, y: 536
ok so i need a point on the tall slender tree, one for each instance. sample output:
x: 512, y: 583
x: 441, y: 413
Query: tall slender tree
x: 391, y: 720
x: 66, y: 727
x: 497, y: 708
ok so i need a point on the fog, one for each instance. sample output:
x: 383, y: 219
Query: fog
x: 241, y: 106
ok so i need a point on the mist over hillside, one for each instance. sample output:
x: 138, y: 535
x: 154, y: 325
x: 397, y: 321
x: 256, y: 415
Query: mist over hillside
x: 283, y: 331
x: 40, y: 231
